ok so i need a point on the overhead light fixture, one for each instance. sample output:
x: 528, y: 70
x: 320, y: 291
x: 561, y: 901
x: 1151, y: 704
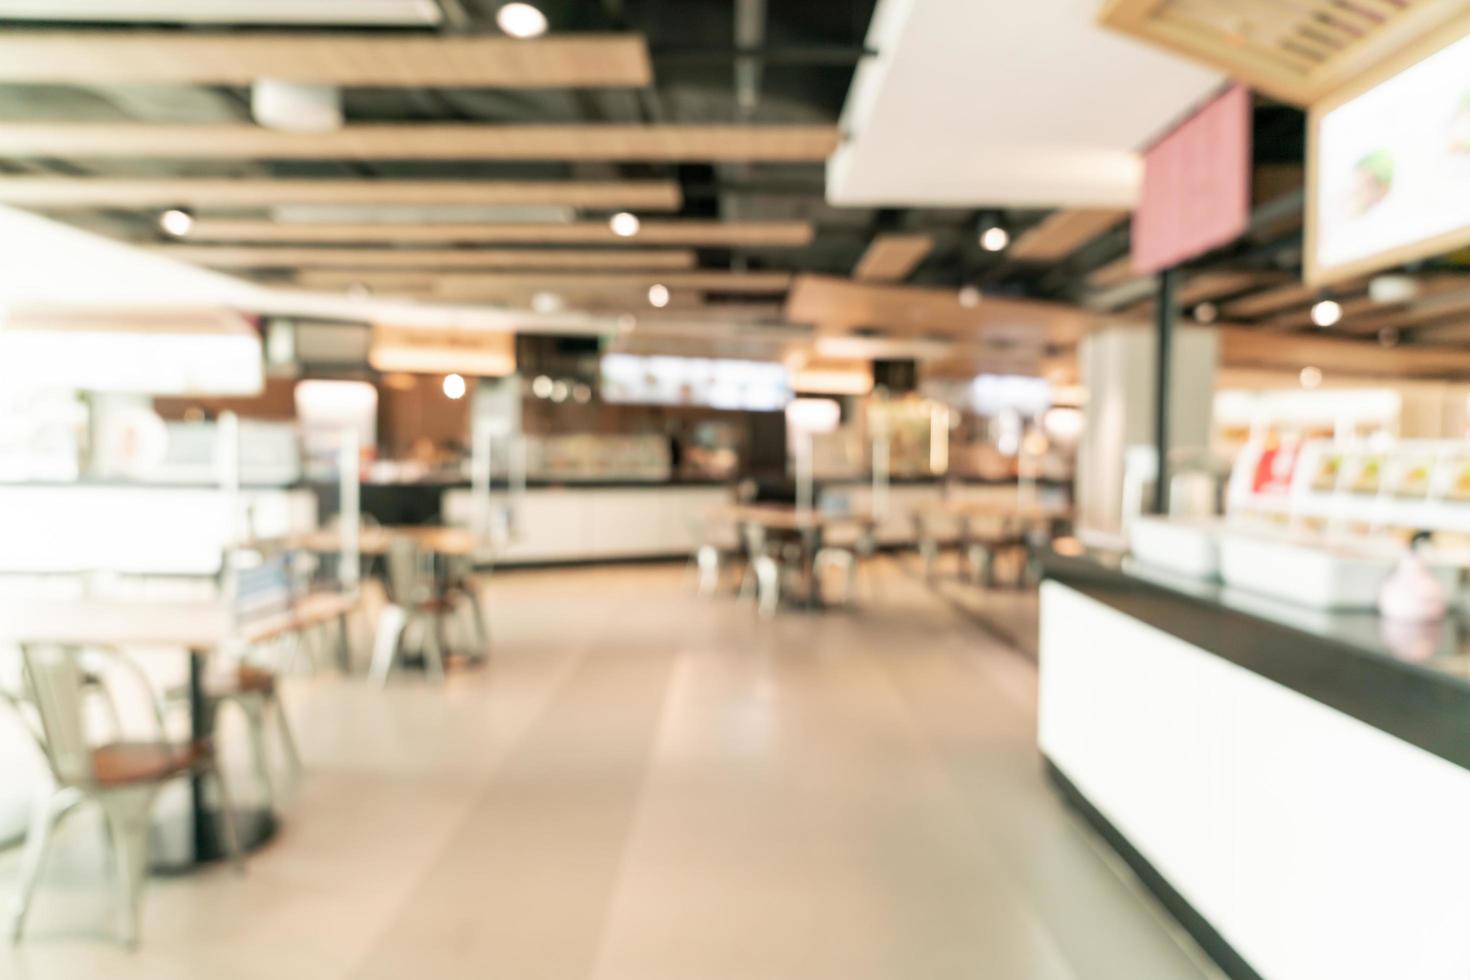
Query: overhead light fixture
x: 1206, y: 313
x: 177, y: 222
x: 541, y: 387
x: 545, y: 302
x: 658, y: 295
x: 1326, y: 312
x: 993, y: 235
x: 560, y: 391
x: 520, y: 20
x: 969, y: 297
x: 454, y: 387
x: 1310, y: 377
x: 1392, y: 288
x: 626, y: 323
x: 296, y: 107
x: 581, y: 393
x: 624, y: 224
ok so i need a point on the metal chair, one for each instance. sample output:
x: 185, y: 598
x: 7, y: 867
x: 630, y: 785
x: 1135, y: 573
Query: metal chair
x: 411, y: 606
x: 462, y: 589
x: 763, y: 570
x: 122, y: 777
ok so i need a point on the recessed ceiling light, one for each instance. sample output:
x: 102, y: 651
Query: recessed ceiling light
x: 1206, y: 313
x: 969, y: 297
x: 453, y: 387
x: 658, y: 295
x: 581, y: 393
x: 176, y: 221
x: 624, y: 224
x: 1326, y: 312
x: 545, y: 302
x: 1310, y: 377
x: 542, y: 386
x: 520, y: 20
x: 995, y: 239
x: 560, y: 390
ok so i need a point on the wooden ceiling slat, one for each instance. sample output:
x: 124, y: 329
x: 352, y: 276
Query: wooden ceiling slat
x: 1355, y: 308
x: 1202, y: 286
x: 231, y: 257
x: 453, y: 285
x: 1246, y: 347
x: 339, y: 58
x: 792, y: 143
x: 1456, y: 303
x: 714, y: 234
x: 1281, y: 298
x: 1063, y: 232
x: 892, y: 256
x: 63, y: 192
x: 1114, y: 273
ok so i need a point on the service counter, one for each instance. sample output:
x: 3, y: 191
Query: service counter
x: 1294, y: 785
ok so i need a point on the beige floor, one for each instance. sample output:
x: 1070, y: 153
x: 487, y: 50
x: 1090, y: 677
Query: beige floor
x: 645, y: 786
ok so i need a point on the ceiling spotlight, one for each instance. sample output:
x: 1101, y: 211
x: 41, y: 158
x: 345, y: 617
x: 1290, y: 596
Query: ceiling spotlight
x: 542, y: 386
x: 658, y: 295
x: 1326, y: 312
x: 545, y: 302
x: 453, y: 387
x: 177, y: 222
x: 560, y: 390
x: 581, y: 393
x: 1206, y: 313
x: 1310, y: 377
x: 520, y: 20
x: 995, y: 239
x: 1389, y: 336
x: 624, y: 224
x: 969, y: 297
x: 1392, y: 288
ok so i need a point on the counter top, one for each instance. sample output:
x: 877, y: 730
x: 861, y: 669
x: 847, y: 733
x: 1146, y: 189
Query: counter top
x: 1412, y: 682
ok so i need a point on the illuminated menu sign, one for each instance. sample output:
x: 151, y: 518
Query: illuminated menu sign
x: 712, y: 382
x: 1391, y: 169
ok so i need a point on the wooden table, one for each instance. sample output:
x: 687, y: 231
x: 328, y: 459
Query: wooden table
x: 202, y: 628
x: 810, y: 526
x: 439, y: 539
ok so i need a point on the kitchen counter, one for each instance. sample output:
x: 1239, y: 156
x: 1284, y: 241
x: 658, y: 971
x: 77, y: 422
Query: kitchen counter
x: 1293, y: 784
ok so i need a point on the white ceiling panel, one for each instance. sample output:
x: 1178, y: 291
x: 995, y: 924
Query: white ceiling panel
x: 982, y: 102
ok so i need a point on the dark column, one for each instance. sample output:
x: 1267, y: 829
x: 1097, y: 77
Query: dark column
x: 1166, y: 314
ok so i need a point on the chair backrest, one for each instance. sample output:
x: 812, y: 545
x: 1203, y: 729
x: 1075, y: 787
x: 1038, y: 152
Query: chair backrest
x: 754, y: 537
x: 403, y: 568
x: 55, y: 681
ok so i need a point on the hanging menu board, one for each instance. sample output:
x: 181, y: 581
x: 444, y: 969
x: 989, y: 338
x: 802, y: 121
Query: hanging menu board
x: 1390, y: 168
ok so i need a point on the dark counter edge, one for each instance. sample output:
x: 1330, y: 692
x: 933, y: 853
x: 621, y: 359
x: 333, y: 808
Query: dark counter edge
x: 535, y: 483
x: 1215, y: 946
x: 1425, y: 708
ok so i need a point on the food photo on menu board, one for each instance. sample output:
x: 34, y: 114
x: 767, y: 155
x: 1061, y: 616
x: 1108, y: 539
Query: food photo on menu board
x: 1393, y: 164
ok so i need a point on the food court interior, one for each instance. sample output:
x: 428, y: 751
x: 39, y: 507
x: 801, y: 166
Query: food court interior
x: 635, y: 489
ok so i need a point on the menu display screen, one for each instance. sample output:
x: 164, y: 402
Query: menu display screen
x: 1393, y: 169
x: 711, y: 382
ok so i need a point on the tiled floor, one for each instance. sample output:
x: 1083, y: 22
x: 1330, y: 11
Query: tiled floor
x: 649, y: 786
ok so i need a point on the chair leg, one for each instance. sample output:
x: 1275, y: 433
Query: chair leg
x: 127, y: 823
x: 435, y: 648
x: 46, y: 811
x: 253, y: 707
x: 392, y: 622
x: 288, y: 739
x: 229, y: 833
x: 767, y: 585
x: 707, y: 558
x: 477, y: 616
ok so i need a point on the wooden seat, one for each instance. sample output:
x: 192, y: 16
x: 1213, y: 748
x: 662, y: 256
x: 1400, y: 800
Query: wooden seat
x: 125, y: 763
